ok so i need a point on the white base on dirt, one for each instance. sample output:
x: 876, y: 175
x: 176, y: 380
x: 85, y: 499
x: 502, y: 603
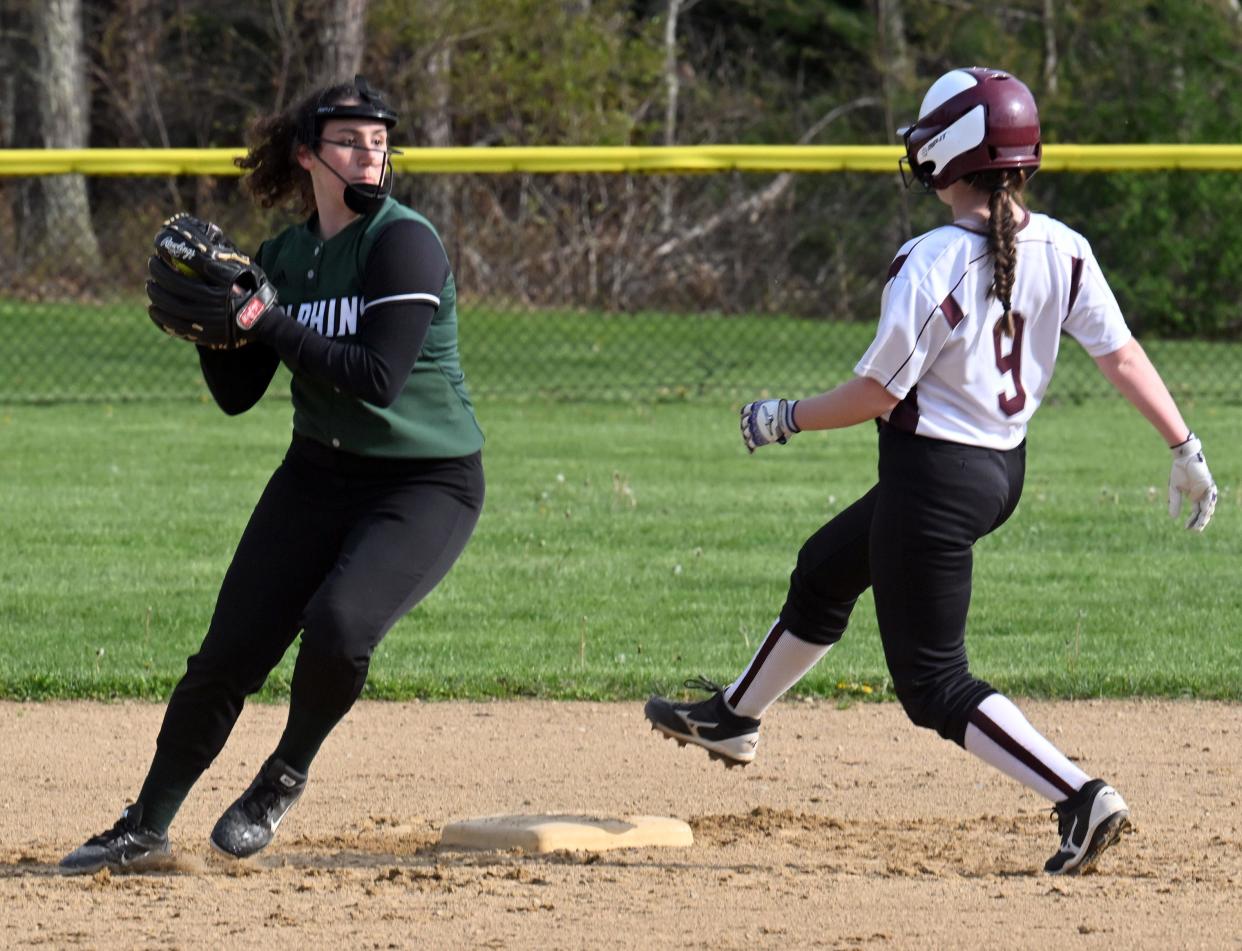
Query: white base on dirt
x: 572, y: 833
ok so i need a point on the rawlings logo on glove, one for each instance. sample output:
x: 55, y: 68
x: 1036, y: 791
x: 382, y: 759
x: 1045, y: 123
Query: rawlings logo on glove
x: 178, y: 249
x: 202, y: 288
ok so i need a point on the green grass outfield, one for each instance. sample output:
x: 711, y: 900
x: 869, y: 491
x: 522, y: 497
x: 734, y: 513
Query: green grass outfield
x: 59, y: 352
x: 623, y: 548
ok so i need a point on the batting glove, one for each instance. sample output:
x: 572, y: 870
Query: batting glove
x: 768, y: 421
x: 1190, y: 477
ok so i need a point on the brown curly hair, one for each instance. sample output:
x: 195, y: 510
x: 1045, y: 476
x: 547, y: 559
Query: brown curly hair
x: 275, y: 177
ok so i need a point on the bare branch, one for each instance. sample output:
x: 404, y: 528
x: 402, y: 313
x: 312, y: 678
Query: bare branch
x: 758, y: 203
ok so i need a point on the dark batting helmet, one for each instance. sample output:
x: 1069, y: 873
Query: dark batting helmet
x: 971, y: 120
x: 356, y: 101
x: 369, y: 106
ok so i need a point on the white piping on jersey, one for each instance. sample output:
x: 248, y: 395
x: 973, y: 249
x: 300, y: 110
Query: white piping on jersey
x: 428, y: 298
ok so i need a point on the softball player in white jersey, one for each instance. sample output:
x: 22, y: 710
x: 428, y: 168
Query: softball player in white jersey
x: 970, y: 326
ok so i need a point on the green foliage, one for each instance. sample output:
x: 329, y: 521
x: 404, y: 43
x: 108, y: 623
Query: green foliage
x: 1170, y: 244
x: 1103, y: 72
x: 760, y: 72
x: 547, y: 72
x: 623, y: 548
x: 1136, y: 71
x: 526, y: 72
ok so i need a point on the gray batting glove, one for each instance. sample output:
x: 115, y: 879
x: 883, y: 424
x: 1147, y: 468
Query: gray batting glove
x: 768, y: 421
x: 1190, y: 477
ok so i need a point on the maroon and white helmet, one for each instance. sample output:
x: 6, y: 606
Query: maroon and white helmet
x: 972, y: 120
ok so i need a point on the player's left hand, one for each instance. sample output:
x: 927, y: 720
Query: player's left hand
x: 203, y: 289
x: 768, y: 421
x: 1190, y: 478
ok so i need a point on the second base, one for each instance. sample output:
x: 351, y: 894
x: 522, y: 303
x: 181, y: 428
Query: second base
x: 572, y: 833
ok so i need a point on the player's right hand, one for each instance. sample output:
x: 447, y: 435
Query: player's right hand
x: 1190, y: 478
x: 768, y: 421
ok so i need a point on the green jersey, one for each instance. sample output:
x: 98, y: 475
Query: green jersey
x: 361, y: 300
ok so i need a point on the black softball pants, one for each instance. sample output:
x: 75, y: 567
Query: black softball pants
x: 911, y: 539
x: 338, y: 548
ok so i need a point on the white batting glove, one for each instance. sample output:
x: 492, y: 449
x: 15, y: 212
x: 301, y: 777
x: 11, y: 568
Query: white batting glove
x: 1190, y: 477
x: 768, y: 421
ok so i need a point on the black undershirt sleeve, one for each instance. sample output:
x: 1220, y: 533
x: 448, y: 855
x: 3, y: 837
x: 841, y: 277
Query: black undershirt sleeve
x: 401, y: 284
x: 237, y: 379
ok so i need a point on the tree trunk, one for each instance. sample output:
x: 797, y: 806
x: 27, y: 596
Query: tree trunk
x: 895, y: 74
x: 673, y: 86
x: 437, y: 190
x: 63, y: 101
x: 287, y: 52
x: 1050, y: 46
x: 340, y: 36
x: 8, y: 95
x: 9, y: 262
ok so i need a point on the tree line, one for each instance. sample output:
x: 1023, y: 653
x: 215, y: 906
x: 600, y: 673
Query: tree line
x: 195, y: 73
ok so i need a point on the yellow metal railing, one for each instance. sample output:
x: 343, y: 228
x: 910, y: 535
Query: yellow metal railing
x: 656, y: 159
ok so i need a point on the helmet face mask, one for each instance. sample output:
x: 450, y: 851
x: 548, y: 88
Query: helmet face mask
x: 971, y: 120
x: 365, y: 104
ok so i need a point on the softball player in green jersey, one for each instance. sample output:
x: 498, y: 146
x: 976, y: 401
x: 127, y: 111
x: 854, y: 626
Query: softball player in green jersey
x: 377, y: 495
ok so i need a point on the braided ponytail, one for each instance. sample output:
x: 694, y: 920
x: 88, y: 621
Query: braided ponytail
x: 1002, y: 186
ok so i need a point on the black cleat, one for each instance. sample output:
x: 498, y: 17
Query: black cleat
x: 709, y: 723
x: 1089, y: 822
x: 127, y: 846
x: 249, y: 824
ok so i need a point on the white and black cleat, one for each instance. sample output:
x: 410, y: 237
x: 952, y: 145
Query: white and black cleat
x: 127, y: 846
x: 249, y: 824
x: 709, y: 724
x: 1089, y: 822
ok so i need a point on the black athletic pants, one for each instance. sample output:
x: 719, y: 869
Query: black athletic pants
x: 910, y: 538
x: 339, y: 547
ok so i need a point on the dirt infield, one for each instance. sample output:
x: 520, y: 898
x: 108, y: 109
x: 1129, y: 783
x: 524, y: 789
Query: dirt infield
x: 852, y: 830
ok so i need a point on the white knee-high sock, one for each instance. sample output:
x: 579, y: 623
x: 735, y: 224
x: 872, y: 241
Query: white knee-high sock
x: 1002, y: 737
x: 780, y: 662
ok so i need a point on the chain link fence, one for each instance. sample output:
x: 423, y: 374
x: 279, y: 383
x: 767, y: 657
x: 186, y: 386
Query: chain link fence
x: 623, y: 286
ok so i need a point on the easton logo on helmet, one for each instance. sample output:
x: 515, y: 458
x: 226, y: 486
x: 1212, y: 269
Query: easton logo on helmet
x: 971, y: 120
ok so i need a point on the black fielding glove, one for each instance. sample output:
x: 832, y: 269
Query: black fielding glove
x: 202, y: 288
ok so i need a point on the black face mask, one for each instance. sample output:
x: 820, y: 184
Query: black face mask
x: 366, y: 199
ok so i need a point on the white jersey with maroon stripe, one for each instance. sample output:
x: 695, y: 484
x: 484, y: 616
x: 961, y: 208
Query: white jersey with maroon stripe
x: 940, y: 346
